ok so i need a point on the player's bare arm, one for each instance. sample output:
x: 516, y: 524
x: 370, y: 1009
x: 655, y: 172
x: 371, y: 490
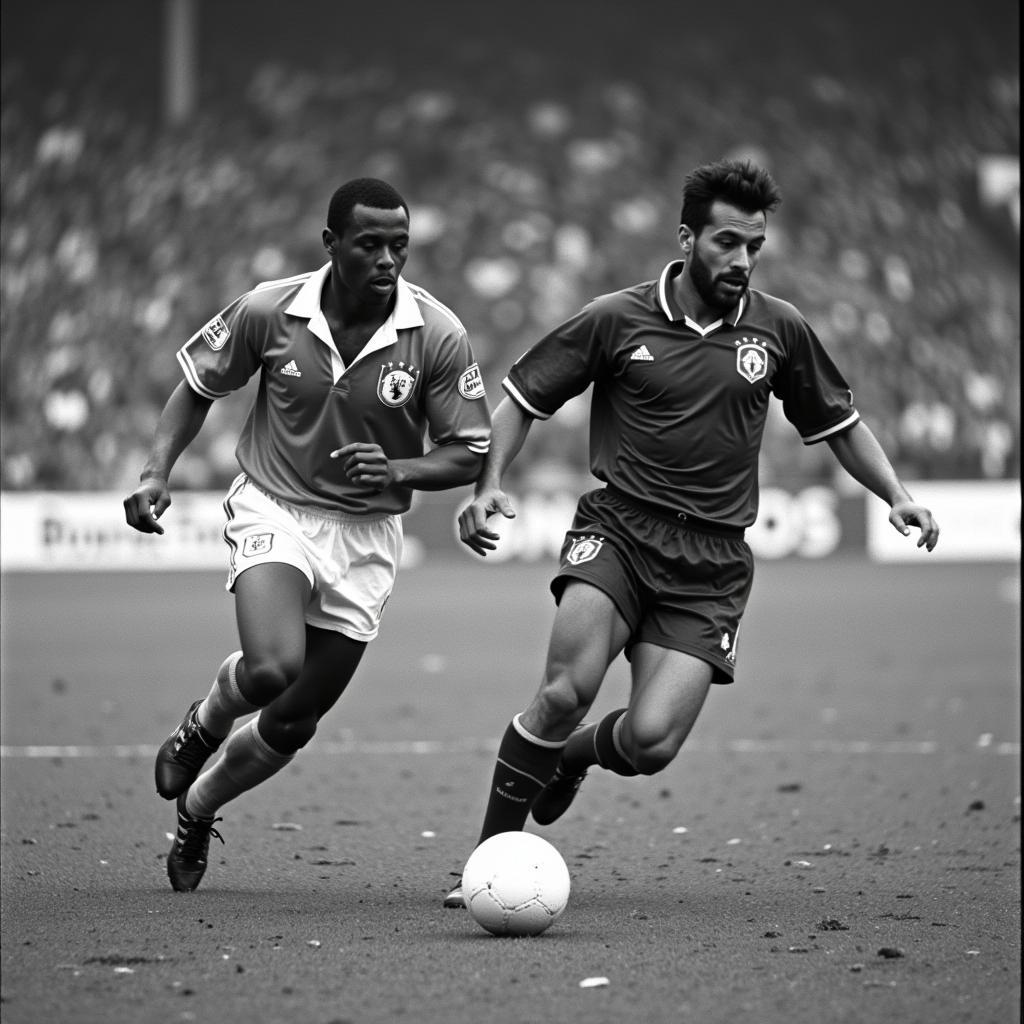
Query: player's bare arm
x: 181, y: 419
x: 860, y: 454
x: 509, y: 427
x: 449, y: 465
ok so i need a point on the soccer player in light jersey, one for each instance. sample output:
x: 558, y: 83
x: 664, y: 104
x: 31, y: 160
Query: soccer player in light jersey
x: 655, y: 563
x: 356, y: 365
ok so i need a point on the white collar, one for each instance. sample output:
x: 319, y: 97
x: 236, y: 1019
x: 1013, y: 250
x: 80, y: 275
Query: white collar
x: 306, y: 305
x: 672, y: 310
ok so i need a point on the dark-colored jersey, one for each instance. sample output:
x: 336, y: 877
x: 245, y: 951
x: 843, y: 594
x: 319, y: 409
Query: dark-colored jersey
x: 678, y: 411
x: 415, y: 376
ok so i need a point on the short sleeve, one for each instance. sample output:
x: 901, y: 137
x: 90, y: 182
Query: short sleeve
x: 815, y: 396
x: 561, y: 365
x: 222, y: 355
x: 456, y: 401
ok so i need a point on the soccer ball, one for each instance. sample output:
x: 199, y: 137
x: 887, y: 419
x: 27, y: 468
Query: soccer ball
x: 515, y: 883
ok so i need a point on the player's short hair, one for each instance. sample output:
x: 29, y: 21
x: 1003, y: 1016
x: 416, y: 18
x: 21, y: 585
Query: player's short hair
x: 366, y: 191
x: 738, y: 182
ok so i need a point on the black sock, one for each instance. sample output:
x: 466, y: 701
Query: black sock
x: 606, y: 753
x: 524, y: 767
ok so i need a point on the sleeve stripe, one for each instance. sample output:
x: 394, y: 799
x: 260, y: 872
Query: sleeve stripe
x: 848, y: 422
x: 515, y: 395
x: 192, y: 378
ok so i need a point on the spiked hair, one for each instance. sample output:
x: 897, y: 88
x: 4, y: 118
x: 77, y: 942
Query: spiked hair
x: 738, y: 182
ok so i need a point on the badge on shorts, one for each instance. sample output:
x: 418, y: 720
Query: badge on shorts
x: 752, y: 360
x: 216, y: 333
x: 584, y: 549
x: 257, y: 544
x: 396, y: 383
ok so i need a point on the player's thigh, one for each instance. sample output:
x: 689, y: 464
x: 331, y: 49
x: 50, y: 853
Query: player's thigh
x: 270, y: 604
x: 669, y: 688
x: 331, y: 661
x: 587, y: 635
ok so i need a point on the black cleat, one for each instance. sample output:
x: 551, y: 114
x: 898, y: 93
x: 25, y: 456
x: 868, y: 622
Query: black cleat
x: 554, y: 799
x: 455, y: 899
x: 182, y: 755
x: 186, y: 863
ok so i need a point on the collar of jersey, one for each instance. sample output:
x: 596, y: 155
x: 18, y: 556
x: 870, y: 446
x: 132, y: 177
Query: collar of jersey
x: 671, y: 309
x: 306, y: 304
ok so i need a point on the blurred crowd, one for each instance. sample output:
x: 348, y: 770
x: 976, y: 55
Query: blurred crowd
x: 534, y: 185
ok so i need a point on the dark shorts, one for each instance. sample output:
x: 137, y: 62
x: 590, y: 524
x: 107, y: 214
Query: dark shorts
x: 680, y: 586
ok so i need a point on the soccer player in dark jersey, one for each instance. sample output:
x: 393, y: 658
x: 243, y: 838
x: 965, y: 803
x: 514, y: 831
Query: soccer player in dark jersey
x: 655, y: 563
x: 356, y: 365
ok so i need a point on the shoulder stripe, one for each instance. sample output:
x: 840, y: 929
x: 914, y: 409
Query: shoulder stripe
x: 838, y: 428
x: 282, y: 282
x: 422, y: 295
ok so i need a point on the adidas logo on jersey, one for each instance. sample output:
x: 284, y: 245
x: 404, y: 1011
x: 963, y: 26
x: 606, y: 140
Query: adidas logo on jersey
x: 642, y: 355
x: 291, y: 370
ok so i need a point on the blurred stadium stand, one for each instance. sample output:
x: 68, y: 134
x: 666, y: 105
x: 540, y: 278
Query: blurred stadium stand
x: 542, y: 147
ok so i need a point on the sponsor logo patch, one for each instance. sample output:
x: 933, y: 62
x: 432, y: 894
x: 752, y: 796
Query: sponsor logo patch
x: 642, y: 355
x: 471, y: 383
x: 216, y: 333
x: 257, y: 544
x: 584, y: 549
x: 752, y: 360
x: 396, y: 382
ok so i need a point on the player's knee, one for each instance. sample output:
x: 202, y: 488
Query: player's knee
x: 559, y: 704
x: 267, y: 678
x: 652, y: 755
x: 286, y: 734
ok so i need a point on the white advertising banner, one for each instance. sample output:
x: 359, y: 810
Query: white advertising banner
x: 41, y: 531
x: 87, y: 530
x: 979, y: 521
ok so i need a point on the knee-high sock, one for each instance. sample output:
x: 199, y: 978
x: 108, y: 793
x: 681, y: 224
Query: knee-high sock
x: 225, y: 701
x: 524, y: 767
x: 247, y: 761
x: 598, y: 744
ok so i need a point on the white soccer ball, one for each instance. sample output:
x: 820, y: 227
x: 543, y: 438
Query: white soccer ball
x: 515, y: 883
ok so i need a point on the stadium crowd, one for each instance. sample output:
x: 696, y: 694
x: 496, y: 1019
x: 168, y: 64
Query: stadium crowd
x: 534, y: 185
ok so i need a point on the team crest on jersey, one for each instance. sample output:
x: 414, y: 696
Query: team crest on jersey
x: 471, y: 383
x: 396, y: 383
x: 752, y: 360
x: 216, y: 333
x: 584, y: 549
x: 257, y: 544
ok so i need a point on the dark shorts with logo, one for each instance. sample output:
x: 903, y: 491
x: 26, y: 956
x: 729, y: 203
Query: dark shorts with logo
x: 681, y: 585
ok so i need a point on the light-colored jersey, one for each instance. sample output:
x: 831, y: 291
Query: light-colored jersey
x: 415, y: 378
x: 678, y: 411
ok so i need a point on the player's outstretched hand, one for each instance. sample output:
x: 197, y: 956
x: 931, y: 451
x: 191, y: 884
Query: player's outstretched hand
x: 146, y: 504
x: 905, y: 514
x: 365, y: 464
x: 473, y: 529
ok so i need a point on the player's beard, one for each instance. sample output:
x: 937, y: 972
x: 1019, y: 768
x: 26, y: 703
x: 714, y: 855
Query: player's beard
x: 706, y: 286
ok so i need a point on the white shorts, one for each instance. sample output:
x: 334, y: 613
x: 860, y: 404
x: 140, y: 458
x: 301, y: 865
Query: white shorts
x: 350, y: 561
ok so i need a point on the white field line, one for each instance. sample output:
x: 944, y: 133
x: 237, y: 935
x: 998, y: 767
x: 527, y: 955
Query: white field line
x: 428, y: 747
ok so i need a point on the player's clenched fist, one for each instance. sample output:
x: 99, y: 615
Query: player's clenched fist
x: 146, y: 504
